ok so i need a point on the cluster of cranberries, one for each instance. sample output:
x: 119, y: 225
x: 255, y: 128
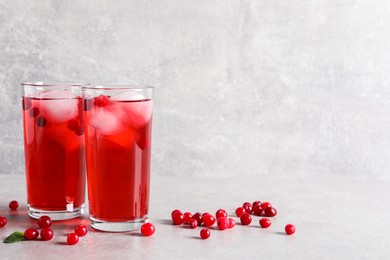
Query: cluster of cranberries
x: 244, y: 212
x: 34, y: 112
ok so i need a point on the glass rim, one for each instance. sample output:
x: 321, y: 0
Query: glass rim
x: 117, y: 87
x: 54, y: 84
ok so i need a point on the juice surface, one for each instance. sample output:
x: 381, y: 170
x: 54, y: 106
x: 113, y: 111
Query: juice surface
x: 54, y: 152
x: 118, y: 140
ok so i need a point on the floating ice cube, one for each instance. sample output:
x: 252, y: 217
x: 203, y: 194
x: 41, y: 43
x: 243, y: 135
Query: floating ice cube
x: 128, y: 96
x: 106, y: 121
x: 138, y: 114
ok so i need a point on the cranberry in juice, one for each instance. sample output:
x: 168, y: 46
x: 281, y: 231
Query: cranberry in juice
x: 118, y: 145
x: 54, y: 153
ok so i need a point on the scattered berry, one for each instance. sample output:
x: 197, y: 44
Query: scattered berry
x: 221, y: 213
x: 198, y: 217
x: 34, y: 112
x: 208, y: 220
x: 13, y: 205
x: 178, y: 218
x: 258, y: 210
x: 44, y: 222
x: 40, y: 121
x: 248, y: 207
x: 81, y: 230
x: 205, y: 233
x: 46, y: 234
x: 232, y: 223
x: 72, y: 239
x: 187, y: 217
x: 31, y: 234
x: 193, y: 223
x: 240, y: 211
x: 265, y: 205
x: 147, y: 229
x: 3, y: 221
x: 26, y: 103
x: 257, y: 202
x: 245, y: 219
x: 265, y: 222
x: 290, y: 229
x: 270, y: 212
x: 174, y: 211
x: 223, y: 223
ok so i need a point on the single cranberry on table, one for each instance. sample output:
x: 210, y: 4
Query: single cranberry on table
x: 246, y: 219
x: 13, y: 205
x: 223, y: 223
x: 3, y: 221
x: 44, y: 222
x: 265, y: 222
x: 31, y: 234
x: 81, y: 230
x: 198, y: 217
x: 47, y: 234
x: 174, y: 211
x: 148, y: 229
x: 205, y: 233
x: 72, y: 239
x: 187, y: 217
x: 208, y: 220
x: 193, y: 223
x: 270, y: 212
x: 178, y: 218
x: 290, y: 229
x: 232, y: 223
x: 220, y: 213
x: 240, y: 211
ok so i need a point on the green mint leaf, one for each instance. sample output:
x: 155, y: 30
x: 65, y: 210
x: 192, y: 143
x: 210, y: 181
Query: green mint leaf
x: 14, y: 237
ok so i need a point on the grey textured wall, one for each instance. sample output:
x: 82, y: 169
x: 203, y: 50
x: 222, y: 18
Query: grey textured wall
x: 273, y: 88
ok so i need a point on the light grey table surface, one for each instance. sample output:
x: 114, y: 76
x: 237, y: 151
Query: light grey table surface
x: 335, y: 219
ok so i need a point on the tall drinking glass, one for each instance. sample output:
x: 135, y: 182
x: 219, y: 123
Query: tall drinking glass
x: 118, y: 127
x: 54, y: 149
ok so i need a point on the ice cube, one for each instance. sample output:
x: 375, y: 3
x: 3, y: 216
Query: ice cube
x: 58, y: 105
x: 128, y: 96
x: 106, y: 121
x: 138, y: 114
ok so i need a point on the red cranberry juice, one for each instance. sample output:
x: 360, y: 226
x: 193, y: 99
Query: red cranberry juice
x: 118, y: 145
x: 54, y: 153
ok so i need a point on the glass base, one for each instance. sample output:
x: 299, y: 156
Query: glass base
x: 117, y: 226
x: 56, y: 214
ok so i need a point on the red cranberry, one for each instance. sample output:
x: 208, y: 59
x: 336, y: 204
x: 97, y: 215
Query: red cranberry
x: 178, y: 218
x: 232, y: 223
x: 240, y: 211
x: 187, y: 217
x: 34, y: 112
x: 290, y: 229
x: 13, y: 205
x: 101, y: 101
x: 31, y: 234
x: 72, y: 239
x: 208, y: 220
x: 73, y: 124
x: 248, y: 207
x: 46, y: 234
x: 174, y: 211
x: 44, y: 222
x: 270, y: 212
x: 205, y: 233
x: 198, y: 217
x: 26, y: 103
x: 148, y: 229
x: 81, y: 230
x: 245, y: 219
x: 3, y: 221
x: 223, y: 223
x: 221, y: 213
x: 265, y: 205
x: 265, y: 222
x: 258, y: 210
x: 193, y: 223
x: 257, y: 202
x: 40, y: 121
